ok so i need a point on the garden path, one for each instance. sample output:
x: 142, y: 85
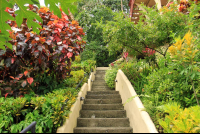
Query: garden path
x: 102, y: 110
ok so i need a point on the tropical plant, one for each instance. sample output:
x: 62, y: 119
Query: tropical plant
x: 50, y: 51
x: 26, y: 13
x: 180, y: 120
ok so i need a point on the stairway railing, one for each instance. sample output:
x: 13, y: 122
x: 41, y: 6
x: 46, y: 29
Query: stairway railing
x: 30, y: 127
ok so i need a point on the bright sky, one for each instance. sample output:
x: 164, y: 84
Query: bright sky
x: 42, y: 3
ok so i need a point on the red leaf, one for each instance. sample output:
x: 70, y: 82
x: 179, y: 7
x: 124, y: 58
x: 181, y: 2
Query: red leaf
x: 79, y: 38
x: 69, y: 54
x: 12, y: 77
x: 25, y: 73
x: 24, y: 83
x: 30, y: 80
x: 57, y: 39
x: 12, y: 60
x: 19, y: 76
x: 39, y: 60
x: 6, y: 95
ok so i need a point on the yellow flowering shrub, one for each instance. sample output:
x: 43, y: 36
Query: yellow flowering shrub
x: 166, y: 9
x: 77, y: 75
x: 181, y: 120
x: 184, y: 49
x: 78, y: 59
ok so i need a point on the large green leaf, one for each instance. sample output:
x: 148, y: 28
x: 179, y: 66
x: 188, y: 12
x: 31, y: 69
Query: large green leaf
x: 24, y: 13
x: 4, y: 41
x: 4, y: 16
x: 65, y: 5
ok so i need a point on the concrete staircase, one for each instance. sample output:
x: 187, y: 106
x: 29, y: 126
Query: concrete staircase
x: 102, y: 110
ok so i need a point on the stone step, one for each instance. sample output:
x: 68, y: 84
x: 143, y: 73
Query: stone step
x: 102, y: 107
x: 105, y: 96
x: 99, y: 81
x: 101, y: 92
x: 102, y: 101
x: 99, y: 78
x: 100, y: 89
x: 103, y: 122
x: 103, y: 113
x: 100, y: 71
x: 100, y: 86
x: 103, y: 130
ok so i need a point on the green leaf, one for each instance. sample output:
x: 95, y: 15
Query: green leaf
x: 4, y: 16
x: 65, y: 5
x: 130, y: 99
x: 24, y: 13
x: 40, y: 129
x: 36, y: 2
x: 3, y: 41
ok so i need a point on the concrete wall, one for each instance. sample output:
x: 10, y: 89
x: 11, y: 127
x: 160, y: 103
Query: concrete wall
x: 71, y: 122
x: 140, y: 120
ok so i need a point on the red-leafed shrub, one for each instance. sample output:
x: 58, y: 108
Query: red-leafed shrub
x: 34, y: 54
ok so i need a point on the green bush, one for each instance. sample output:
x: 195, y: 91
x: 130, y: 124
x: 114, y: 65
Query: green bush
x: 87, y: 65
x: 77, y: 75
x: 180, y: 120
x: 17, y: 114
x: 170, y: 85
x: 110, y: 77
x: 76, y: 66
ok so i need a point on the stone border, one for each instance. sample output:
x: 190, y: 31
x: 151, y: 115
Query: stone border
x: 139, y: 119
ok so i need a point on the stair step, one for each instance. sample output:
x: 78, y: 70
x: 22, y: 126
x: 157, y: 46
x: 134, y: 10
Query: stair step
x: 103, y: 130
x: 102, y: 101
x: 105, y: 96
x: 103, y: 122
x: 103, y: 113
x: 100, y: 72
x: 102, y: 92
x: 103, y: 89
x: 99, y: 81
x: 102, y: 107
x: 100, y: 86
x: 100, y: 75
x: 99, y: 78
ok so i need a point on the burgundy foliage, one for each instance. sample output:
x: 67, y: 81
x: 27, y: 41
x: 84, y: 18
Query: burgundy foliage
x: 50, y: 51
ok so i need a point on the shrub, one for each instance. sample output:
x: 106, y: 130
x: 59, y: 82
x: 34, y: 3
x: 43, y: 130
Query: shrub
x: 17, y: 114
x: 76, y: 67
x: 59, y: 41
x: 77, y: 75
x: 180, y: 120
x: 88, y: 65
x: 110, y: 77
